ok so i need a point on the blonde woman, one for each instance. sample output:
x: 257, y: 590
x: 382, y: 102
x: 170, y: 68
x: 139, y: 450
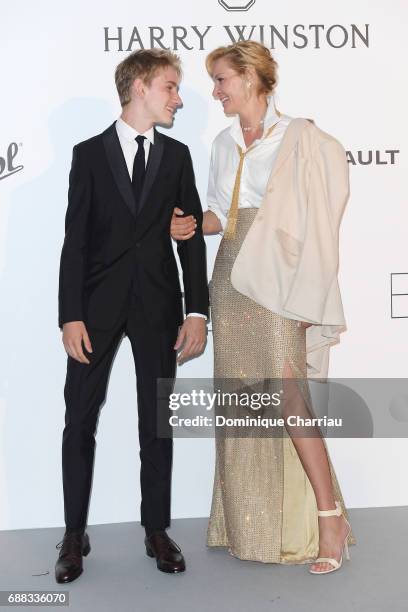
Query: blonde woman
x: 277, y: 191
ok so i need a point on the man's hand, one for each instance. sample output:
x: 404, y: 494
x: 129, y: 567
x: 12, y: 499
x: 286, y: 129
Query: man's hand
x: 182, y: 228
x: 191, y: 339
x: 73, y: 335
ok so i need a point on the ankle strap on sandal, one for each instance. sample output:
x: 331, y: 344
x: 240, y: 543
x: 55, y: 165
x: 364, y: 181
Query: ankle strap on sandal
x: 337, y: 512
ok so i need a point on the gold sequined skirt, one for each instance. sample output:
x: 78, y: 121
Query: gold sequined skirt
x: 263, y: 506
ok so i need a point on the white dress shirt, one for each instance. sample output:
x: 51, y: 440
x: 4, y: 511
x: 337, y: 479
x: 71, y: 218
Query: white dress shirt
x: 127, y: 139
x: 257, y: 166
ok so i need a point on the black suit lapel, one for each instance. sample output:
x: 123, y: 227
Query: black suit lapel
x: 118, y: 166
x: 153, y: 163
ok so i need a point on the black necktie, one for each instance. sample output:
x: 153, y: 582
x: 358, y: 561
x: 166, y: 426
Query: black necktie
x: 139, y: 168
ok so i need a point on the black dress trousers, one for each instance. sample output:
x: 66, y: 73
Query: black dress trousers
x: 85, y: 391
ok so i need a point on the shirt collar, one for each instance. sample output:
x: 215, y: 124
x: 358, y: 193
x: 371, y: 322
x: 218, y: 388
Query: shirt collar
x: 128, y: 133
x: 271, y: 117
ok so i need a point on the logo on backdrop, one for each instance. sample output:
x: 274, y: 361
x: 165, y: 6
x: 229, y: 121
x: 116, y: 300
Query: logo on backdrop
x: 191, y: 37
x: 399, y: 295
x: 232, y: 5
x: 7, y: 163
x: 373, y: 158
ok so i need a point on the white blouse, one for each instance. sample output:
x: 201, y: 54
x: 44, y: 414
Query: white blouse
x: 257, y: 166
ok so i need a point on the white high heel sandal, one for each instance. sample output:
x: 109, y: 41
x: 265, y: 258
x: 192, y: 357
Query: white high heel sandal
x: 336, y: 564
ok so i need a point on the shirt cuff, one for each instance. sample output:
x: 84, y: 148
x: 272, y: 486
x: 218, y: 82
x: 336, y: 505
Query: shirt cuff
x: 196, y: 314
x: 222, y: 218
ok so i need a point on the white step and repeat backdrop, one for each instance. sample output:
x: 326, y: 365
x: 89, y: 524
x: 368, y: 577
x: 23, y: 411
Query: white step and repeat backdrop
x: 339, y: 63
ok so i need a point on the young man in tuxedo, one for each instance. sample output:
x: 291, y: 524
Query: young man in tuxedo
x: 118, y: 275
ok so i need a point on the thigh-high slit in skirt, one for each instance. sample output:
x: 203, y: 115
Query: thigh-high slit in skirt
x: 263, y: 506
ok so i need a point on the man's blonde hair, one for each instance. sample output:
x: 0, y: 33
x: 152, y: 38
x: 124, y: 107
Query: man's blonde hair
x: 142, y: 64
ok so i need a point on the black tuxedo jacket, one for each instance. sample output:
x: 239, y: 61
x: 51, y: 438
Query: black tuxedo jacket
x: 105, y: 240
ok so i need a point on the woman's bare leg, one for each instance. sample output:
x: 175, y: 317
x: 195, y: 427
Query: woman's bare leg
x: 313, y: 456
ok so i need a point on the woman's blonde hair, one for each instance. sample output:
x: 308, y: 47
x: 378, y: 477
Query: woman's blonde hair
x: 246, y: 54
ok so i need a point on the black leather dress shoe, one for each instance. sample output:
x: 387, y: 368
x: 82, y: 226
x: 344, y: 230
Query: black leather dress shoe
x: 169, y: 557
x: 74, y: 546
